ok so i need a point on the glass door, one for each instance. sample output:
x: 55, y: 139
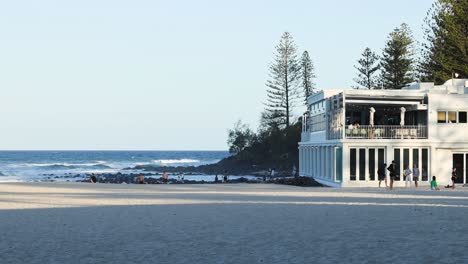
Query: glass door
x: 459, y: 164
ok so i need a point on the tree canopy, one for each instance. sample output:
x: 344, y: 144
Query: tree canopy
x: 445, y: 51
x: 368, y: 65
x: 282, y: 87
x: 398, y: 63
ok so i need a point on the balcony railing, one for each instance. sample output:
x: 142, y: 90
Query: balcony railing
x: 387, y: 132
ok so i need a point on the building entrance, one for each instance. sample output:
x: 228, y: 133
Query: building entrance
x: 460, y: 162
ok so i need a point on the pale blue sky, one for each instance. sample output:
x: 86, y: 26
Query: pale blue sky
x: 167, y: 75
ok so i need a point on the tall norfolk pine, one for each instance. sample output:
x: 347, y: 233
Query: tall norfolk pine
x: 446, y: 48
x: 398, y: 59
x: 282, y: 87
x: 307, y: 74
x: 367, y: 69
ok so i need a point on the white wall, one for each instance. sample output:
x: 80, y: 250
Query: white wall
x: 447, y: 133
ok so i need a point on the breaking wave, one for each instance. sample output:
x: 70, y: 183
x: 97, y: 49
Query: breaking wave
x: 175, y: 161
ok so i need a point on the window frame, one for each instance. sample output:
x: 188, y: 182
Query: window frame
x: 447, y: 116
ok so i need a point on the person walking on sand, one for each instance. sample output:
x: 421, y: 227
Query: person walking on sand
x: 391, y: 170
x: 409, y: 176
x: 165, y: 177
x: 381, y: 174
x: 416, y: 175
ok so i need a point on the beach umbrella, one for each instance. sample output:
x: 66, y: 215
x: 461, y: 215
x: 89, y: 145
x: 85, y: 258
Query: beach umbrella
x: 402, y: 116
x: 371, y: 118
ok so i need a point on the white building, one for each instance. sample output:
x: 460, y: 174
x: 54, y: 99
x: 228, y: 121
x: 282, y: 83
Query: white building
x: 421, y: 125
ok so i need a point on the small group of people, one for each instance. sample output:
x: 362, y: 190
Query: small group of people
x: 141, y: 178
x: 353, y: 125
x: 225, y: 177
x: 410, y: 175
x: 270, y: 173
x: 451, y: 184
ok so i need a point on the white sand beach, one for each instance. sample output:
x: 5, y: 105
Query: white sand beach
x: 229, y: 223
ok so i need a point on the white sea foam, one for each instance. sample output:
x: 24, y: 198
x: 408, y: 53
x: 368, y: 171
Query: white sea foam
x: 175, y: 161
x: 4, y: 178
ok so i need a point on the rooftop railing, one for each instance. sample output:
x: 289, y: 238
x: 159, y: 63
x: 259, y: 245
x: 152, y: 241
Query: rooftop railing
x: 387, y: 132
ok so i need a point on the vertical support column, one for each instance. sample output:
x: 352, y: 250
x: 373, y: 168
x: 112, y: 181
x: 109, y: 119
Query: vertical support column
x: 400, y: 162
x: 358, y: 167
x: 329, y: 161
x: 410, y: 159
x: 366, y: 165
x: 344, y: 165
x: 465, y: 168
x: 300, y: 160
x: 420, y: 163
x: 376, y: 162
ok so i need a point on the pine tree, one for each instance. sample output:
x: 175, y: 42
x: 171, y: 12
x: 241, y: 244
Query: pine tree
x: 282, y: 91
x: 367, y: 69
x: 446, y: 49
x: 307, y: 74
x: 397, y: 60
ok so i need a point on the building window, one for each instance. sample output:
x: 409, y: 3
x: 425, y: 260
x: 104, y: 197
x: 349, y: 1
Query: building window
x: 352, y: 164
x: 462, y: 117
x: 415, y: 158
x: 424, y: 165
x: 405, y: 160
x: 452, y: 117
x: 372, y: 164
x: 338, y: 164
x: 362, y: 164
x: 396, y: 158
x: 381, y: 153
x: 441, y: 117
x: 317, y: 123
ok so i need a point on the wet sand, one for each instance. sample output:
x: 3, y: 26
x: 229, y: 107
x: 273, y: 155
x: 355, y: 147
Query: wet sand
x: 230, y: 223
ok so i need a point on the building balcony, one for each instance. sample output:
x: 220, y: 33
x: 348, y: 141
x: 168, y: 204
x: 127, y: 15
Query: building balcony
x: 386, y: 132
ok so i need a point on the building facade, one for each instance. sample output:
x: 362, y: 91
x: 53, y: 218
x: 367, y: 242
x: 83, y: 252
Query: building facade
x: 348, y: 134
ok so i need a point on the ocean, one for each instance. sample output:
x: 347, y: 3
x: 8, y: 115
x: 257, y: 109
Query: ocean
x: 20, y: 166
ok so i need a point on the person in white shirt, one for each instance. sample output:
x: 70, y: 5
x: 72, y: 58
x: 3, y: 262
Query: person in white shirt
x: 409, y: 176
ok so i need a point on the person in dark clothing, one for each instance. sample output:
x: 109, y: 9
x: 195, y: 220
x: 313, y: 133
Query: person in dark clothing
x: 381, y: 174
x: 225, y: 176
x: 392, y: 172
x: 216, y: 178
x: 452, y: 179
x: 93, y: 179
